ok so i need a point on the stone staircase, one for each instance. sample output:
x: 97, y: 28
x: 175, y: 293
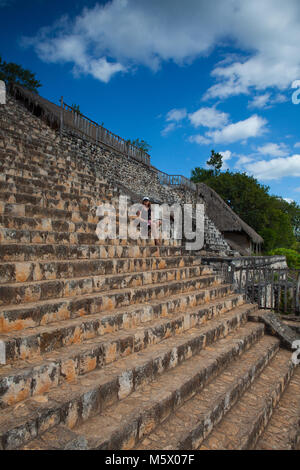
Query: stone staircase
x: 120, y: 345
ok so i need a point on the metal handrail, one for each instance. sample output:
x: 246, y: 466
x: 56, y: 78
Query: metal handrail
x: 276, y: 289
x: 175, y: 180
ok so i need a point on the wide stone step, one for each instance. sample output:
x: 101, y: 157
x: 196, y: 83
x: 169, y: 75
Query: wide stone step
x: 22, y: 185
x: 36, y: 184
x: 49, y: 165
x: 246, y: 421
x: 33, y: 211
x: 57, y: 195
x: 283, y: 430
x: 47, y: 311
x: 60, y: 177
x: 189, y: 426
x: 47, y: 270
x: 65, y: 184
x: 72, y: 404
x: 40, y: 252
x: 39, y: 224
x: 87, y: 349
x: 79, y: 204
x: 147, y: 408
x: 22, y: 292
x: 42, y: 166
x: 8, y: 236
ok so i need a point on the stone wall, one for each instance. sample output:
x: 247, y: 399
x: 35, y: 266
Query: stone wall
x: 274, y: 262
x: 132, y: 176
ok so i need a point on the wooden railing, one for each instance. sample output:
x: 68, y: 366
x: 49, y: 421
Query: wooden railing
x: 71, y: 118
x: 276, y: 289
x: 175, y: 180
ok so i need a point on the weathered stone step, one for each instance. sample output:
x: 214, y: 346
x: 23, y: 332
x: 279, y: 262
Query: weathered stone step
x: 44, y: 166
x: 33, y: 211
x: 33, y: 252
x: 43, y: 162
x: 72, y: 404
x: 190, y: 425
x: 283, y: 430
x: 34, y: 171
x: 34, y: 291
x: 50, y: 270
x: 8, y: 236
x: 86, y: 349
x: 36, y: 184
x: 246, y: 421
x: 43, y: 312
x: 67, y: 183
x: 146, y: 408
x: 56, y: 191
x: 79, y: 204
x: 42, y: 224
x: 57, y: 195
x: 64, y: 188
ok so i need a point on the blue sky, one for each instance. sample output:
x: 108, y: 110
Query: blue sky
x: 186, y: 76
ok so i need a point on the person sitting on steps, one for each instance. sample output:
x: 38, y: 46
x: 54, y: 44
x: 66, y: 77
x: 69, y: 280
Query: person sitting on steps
x: 153, y: 225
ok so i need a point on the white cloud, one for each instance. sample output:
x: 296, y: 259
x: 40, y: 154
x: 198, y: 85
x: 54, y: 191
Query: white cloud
x: 72, y: 48
x: 199, y: 139
x: 274, y: 150
x: 276, y: 168
x: 297, y: 145
x: 297, y: 189
x: 168, y: 128
x: 131, y: 32
x: 104, y: 70
x: 242, y: 161
x: 266, y: 100
x: 289, y: 200
x: 260, y: 101
x: 176, y: 114
x: 208, y: 117
x: 173, y: 118
x: 227, y: 155
x: 254, y: 126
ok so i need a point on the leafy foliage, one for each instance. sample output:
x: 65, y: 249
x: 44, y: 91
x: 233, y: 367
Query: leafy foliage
x: 292, y: 256
x: 14, y: 73
x: 276, y: 220
x: 76, y: 107
x: 216, y: 162
x: 141, y: 144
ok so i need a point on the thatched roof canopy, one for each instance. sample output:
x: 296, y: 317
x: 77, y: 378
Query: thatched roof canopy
x: 225, y: 219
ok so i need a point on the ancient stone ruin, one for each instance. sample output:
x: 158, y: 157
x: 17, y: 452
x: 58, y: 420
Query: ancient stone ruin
x: 121, y: 344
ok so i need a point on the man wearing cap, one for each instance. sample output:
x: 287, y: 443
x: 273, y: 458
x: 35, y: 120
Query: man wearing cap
x: 152, y: 224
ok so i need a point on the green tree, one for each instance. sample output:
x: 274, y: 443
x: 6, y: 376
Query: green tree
x: 292, y: 256
x: 216, y: 162
x: 272, y: 217
x: 13, y: 73
x: 141, y: 144
x: 201, y: 175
